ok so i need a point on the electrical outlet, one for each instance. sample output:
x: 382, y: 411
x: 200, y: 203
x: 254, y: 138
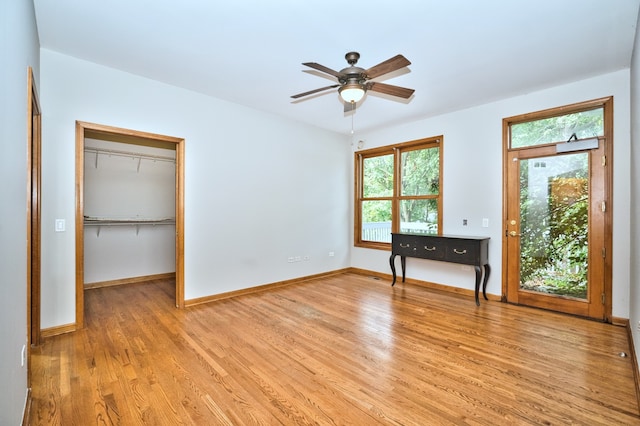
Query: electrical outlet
x: 464, y: 222
x: 331, y: 254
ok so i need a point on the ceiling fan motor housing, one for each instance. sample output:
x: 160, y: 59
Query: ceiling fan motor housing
x: 352, y: 74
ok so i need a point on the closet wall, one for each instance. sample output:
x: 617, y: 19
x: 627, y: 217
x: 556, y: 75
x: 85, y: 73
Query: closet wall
x: 129, y: 209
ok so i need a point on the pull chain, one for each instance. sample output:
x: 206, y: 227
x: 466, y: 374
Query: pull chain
x: 353, y: 108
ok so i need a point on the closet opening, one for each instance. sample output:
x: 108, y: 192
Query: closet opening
x: 129, y: 209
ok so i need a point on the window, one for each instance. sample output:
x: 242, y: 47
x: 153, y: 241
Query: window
x: 584, y: 124
x: 398, y: 189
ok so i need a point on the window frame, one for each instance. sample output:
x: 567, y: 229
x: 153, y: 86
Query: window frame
x: 550, y: 114
x: 396, y: 150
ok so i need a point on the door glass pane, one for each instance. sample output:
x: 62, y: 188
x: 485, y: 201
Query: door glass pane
x: 554, y: 219
x: 378, y: 176
x: 376, y: 221
x: 420, y: 172
x: 585, y: 124
x: 419, y: 216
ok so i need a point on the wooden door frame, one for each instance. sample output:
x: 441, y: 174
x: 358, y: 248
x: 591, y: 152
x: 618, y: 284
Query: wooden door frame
x: 607, y: 104
x: 34, y: 174
x: 123, y: 134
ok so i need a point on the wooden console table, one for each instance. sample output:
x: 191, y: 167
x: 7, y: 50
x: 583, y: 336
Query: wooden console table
x: 446, y: 248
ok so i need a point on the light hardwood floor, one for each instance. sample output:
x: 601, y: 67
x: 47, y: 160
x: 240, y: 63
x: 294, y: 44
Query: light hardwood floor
x: 347, y: 349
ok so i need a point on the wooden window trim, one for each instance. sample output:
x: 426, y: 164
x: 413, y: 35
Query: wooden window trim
x: 604, y: 103
x: 396, y: 150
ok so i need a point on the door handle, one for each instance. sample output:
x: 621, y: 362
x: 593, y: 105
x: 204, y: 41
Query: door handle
x: 514, y: 234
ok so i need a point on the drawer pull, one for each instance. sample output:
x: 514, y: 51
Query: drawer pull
x: 459, y: 252
x: 430, y: 248
x: 405, y: 245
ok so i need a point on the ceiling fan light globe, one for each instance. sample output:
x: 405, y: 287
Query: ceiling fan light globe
x: 351, y: 93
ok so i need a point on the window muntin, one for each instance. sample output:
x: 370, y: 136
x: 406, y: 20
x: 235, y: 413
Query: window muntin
x: 398, y: 190
x: 585, y: 124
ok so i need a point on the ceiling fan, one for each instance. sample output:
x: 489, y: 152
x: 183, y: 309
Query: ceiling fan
x: 353, y: 81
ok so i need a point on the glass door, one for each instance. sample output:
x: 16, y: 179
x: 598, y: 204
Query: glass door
x: 555, y: 233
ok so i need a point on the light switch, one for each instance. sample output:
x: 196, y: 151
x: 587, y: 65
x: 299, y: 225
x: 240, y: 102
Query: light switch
x: 60, y: 225
x: 485, y: 222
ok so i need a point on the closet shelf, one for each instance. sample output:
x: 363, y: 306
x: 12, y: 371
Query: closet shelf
x: 137, y: 222
x: 135, y: 155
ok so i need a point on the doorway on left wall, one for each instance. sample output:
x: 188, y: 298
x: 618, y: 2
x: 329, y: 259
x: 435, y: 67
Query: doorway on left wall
x: 144, y: 142
x: 34, y: 163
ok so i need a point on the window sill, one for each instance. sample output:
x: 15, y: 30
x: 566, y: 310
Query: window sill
x: 373, y: 245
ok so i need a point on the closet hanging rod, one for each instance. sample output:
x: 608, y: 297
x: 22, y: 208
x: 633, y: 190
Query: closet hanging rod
x: 129, y: 222
x: 117, y: 153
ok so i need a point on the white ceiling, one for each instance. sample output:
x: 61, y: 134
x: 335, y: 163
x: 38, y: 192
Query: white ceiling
x: 463, y: 52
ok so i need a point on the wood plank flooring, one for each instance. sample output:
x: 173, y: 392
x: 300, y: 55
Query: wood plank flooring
x: 342, y: 350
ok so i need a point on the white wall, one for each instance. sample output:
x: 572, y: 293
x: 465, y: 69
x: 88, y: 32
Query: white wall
x: 634, y: 297
x: 260, y: 193
x: 18, y: 50
x: 126, y: 187
x: 258, y: 188
x: 472, y: 182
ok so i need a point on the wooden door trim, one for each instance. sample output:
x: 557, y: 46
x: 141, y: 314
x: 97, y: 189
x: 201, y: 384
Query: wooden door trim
x: 34, y: 167
x: 607, y: 104
x: 82, y: 128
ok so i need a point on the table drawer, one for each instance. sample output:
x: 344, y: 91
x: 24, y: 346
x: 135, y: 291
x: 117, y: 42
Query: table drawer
x: 462, y: 252
x: 416, y: 246
x: 431, y: 250
x: 405, y: 248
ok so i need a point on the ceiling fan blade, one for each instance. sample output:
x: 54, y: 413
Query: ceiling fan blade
x: 311, y: 92
x: 322, y: 68
x: 388, y: 89
x: 390, y: 65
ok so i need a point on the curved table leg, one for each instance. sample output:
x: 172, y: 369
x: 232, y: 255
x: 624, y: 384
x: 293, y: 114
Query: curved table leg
x: 478, y: 278
x: 487, y: 271
x: 393, y: 268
